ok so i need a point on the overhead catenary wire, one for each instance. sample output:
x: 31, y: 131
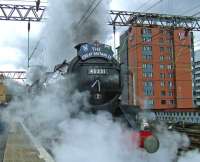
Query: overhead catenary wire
x: 143, y: 4
x: 154, y: 5
x: 91, y: 12
x: 35, y: 48
x: 190, y: 9
x: 86, y: 12
x: 196, y: 14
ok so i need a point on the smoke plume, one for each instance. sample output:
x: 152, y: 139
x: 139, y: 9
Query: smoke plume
x: 72, y: 22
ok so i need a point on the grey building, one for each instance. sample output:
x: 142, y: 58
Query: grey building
x: 196, y: 79
x: 123, y: 56
x: 197, y: 83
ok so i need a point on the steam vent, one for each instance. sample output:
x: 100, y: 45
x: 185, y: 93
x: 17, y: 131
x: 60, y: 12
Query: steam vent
x: 99, y: 81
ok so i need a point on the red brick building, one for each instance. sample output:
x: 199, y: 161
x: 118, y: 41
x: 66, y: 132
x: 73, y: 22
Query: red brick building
x: 156, y: 67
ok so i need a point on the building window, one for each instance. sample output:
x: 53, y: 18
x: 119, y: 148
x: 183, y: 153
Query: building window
x: 163, y: 102
x: 146, y: 39
x: 147, y: 66
x: 170, y: 84
x: 162, y: 83
x: 148, y: 84
x: 197, y: 69
x: 146, y: 31
x: 197, y: 75
x: 170, y: 93
x: 148, y: 91
x: 161, y: 49
x: 169, y: 67
x: 168, y: 33
x: 162, y: 75
x: 161, y: 31
x: 147, y: 48
x: 169, y: 49
x: 162, y: 93
x: 149, y: 102
x: 170, y: 58
x: 170, y: 75
x: 147, y: 52
x: 148, y: 88
x: 169, y: 41
x: 147, y: 57
x: 172, y: 102
x: 147, y: 74
x: 162, y: 66
x: 161, y: 58
x: 131, y: 37
x: 161, y: 40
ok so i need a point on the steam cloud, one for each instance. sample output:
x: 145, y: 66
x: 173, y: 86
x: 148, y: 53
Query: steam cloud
x: 54, y: 116
x: 67, y: 27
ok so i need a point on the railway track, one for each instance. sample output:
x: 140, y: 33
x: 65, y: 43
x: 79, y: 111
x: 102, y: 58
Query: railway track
x: 192, y: 131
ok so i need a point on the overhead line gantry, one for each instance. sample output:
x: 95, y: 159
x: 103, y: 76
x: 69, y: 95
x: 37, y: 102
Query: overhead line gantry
x: 126, y: 18
x: 16, y: 12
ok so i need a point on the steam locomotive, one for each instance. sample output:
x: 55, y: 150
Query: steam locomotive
x: 98, y: 72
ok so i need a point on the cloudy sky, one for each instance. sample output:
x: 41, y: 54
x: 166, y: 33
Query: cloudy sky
x: 13, y: 35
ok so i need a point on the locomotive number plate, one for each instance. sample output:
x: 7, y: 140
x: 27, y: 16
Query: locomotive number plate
x: 96, y: 71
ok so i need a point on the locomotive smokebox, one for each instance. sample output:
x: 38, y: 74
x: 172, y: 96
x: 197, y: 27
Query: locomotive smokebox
x: 97, y: 72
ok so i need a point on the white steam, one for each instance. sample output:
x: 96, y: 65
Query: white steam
x: 55, y: 118
x: 68, y: 25
x: 192, y: 156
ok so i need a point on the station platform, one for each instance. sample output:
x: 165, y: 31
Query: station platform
x: 21, y: 146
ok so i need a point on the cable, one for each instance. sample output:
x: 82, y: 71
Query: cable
x: 35, y: 48
x: 87, y: 11
x: 143, y: 4
x: 154, y: 5
x: 196, y: 14
x: 91, y: 12
x: 190, y: 9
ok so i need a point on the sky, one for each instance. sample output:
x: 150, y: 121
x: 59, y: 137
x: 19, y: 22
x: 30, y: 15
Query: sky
x: 13, y: 35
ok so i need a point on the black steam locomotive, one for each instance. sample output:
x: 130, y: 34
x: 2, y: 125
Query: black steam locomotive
x: 97, y: 72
